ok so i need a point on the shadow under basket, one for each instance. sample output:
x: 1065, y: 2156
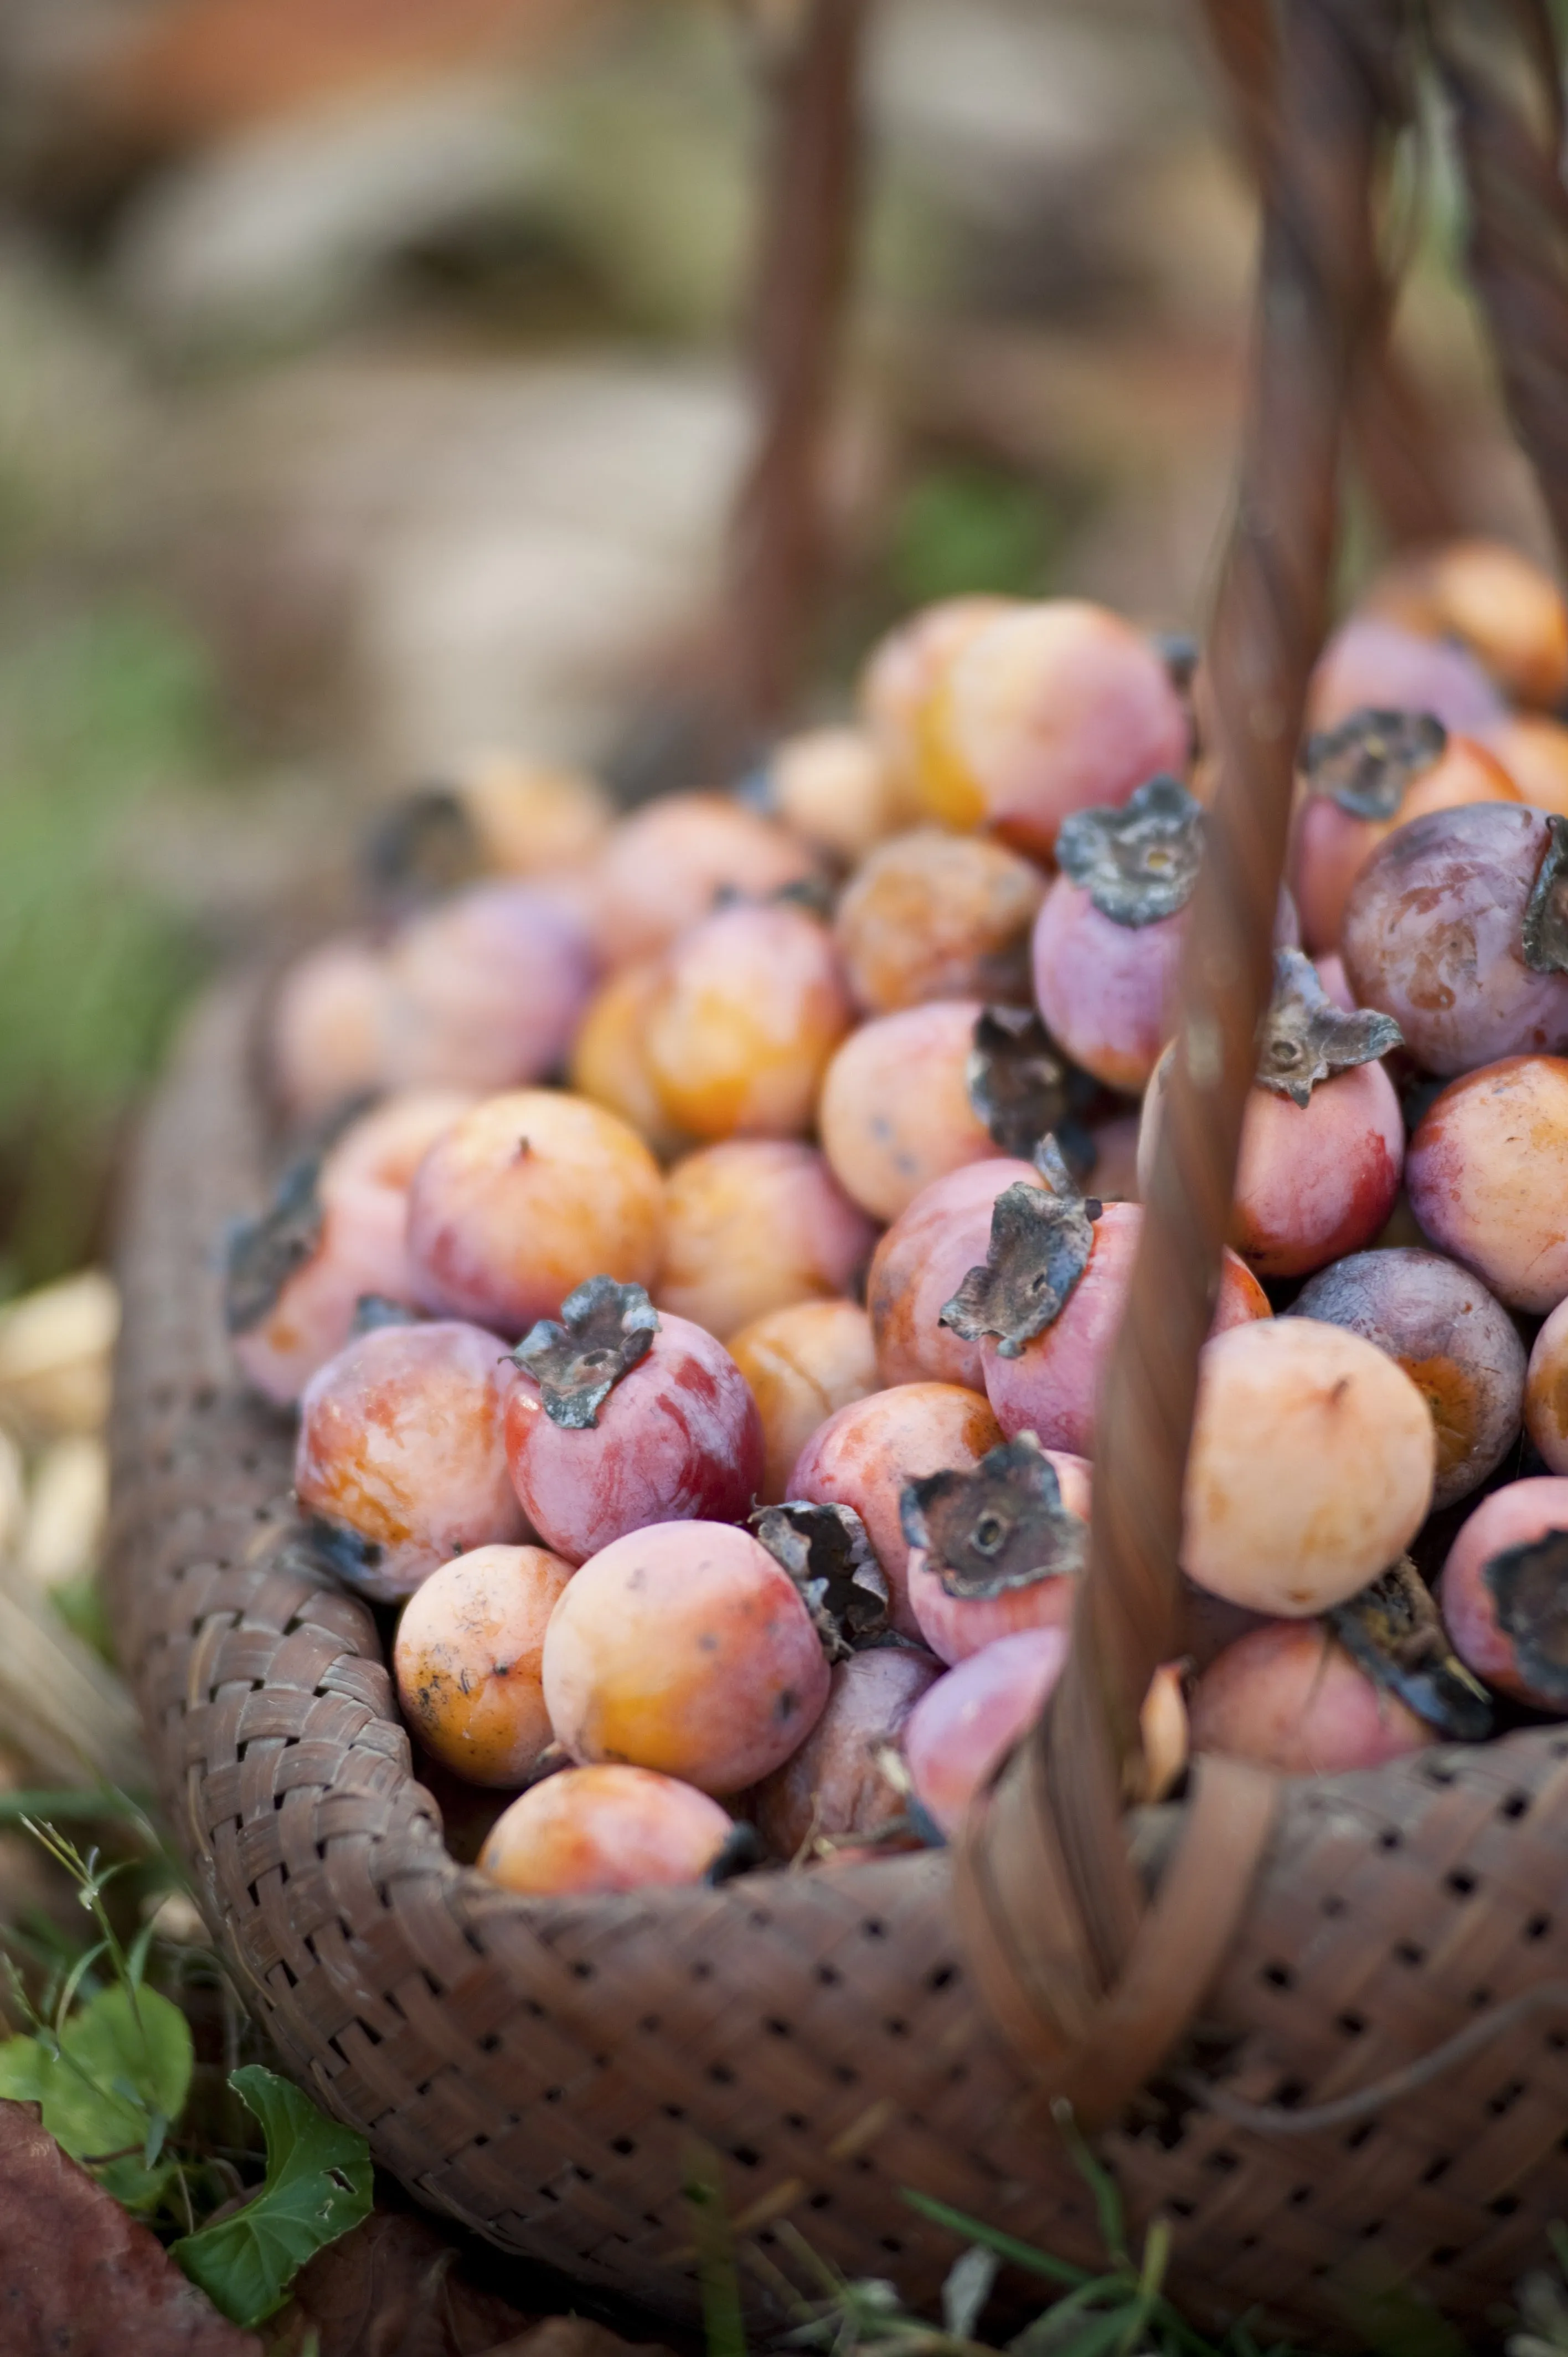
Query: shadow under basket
x: 545, y: 2072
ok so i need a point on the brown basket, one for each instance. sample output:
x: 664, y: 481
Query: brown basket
x: 1316, y: 2023
x: 543, y: 2071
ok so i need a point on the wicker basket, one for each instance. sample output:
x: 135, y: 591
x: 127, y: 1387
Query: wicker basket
x: 542, y: 2071
x: 1329, y: 2047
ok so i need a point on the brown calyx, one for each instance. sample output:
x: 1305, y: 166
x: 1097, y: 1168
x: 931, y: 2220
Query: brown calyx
x: 1000, y: 1527
x: 1529, y: 1588
x: 1306, y: 1038
x: 426, y: 844
x: 1017, y: 1078
x: 826, y: 1552
x: 1369, y: 762
x: 604, y: 1329
x: 1392, y: 1629
x: 1041, y: 1238
x: 263, y: 1253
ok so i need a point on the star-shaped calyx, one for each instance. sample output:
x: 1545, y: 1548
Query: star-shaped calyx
x: 1305, y: 1037
x: 1544, y: 935
x: 827, y: 1553
x: 1369, y: 762
x: 1000, y: 1527
x: 604, y: 1329
x: 1392, y: 1629
x: 1138, y: 863
x: 1041, y: 1238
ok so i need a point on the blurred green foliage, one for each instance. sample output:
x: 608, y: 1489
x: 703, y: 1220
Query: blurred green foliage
x: 961, y: 524
x: 98, y: 708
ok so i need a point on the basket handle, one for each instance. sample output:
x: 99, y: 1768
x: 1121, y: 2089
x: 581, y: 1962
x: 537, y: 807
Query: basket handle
x: 808, y: 60
x: 1091, y: 1982
x: 1401, y: 443
x: 1048, y: 1839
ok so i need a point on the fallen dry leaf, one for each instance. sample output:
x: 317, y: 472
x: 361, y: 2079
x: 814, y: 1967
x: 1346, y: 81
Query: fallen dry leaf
x: 79, y: 2277
x: 396, y: 2287
x: 574, y: 2336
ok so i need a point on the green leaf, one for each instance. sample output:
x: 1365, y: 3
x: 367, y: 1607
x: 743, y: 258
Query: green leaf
x: 318, y: 2186
x: 118, y: 2076
x: 21, y: 2071
x: 130, y: 2047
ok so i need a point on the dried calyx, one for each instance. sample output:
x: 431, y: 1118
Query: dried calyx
x: 1392, y: 1629
x: 827, y: 1553
x: 1180, y: 653
x: 1140, y: 863
x: 1544, y: 936
x: 603, y: 1331
x: 1000, y: 1527
x: 1041, y: 1238
x: 1528, y: 1587
x: 1019, y: 1083
x: 741, y: 1852
x: 376, y: 1309
x: 1305, y: 1037
x: 344, y: 1551
x: 814, y: 894
x: 1369, y: 762
x: 426, y: 843
x: 265, y: 1253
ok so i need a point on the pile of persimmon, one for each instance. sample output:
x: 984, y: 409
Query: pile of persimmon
x: 696, y: 1294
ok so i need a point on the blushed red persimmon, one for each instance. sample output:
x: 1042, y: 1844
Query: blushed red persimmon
x: 401, y: 1455
x: 864, y: 1455
x: 678, y: 1439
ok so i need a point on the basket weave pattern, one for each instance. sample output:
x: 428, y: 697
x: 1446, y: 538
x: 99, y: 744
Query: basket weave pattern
x: 543, y: 2070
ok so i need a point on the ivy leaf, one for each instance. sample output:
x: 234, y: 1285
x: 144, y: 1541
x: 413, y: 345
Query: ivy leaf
x: 318, y: 2186
x: 119, y: 2077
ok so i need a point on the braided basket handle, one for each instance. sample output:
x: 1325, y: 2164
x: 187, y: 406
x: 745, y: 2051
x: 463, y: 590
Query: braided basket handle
x: 1091, y: 1982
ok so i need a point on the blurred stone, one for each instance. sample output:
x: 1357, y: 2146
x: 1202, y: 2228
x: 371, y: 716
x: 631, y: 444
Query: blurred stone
x: 496, y: 554
x: 999, y: 89
x: 55, y: 1347
x: 68, y: 1506
x: 280, y: 231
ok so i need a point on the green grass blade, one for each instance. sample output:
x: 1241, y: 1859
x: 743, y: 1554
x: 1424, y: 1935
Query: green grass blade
x: 723, y: 2327
x: 1006, y: 2246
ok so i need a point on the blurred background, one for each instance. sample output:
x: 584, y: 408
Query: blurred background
x: 371, y: 391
